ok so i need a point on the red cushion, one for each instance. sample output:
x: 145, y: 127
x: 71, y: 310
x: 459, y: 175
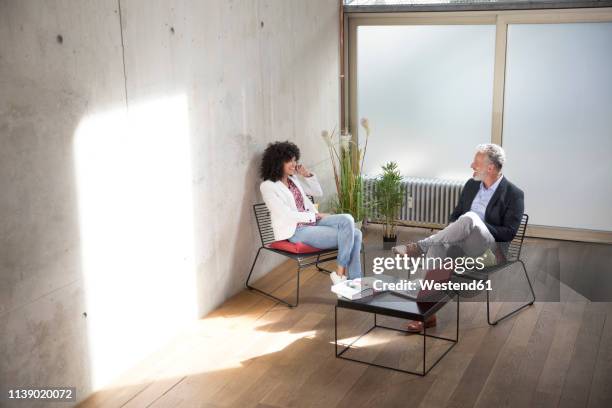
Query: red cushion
x: 297, y: 248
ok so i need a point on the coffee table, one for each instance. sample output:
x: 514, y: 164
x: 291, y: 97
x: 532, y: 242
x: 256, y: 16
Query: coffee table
x: 394, y: 305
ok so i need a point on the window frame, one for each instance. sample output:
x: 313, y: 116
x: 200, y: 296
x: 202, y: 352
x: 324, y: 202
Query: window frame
x: 501, y: 19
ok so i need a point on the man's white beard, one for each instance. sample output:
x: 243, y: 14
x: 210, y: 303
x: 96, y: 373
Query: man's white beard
x: 479, y: 176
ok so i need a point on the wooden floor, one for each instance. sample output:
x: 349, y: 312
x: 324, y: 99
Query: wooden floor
x: 252, y: 352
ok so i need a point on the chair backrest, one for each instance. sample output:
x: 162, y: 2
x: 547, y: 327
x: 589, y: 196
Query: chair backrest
x: 264, y: 223
x: 513, y: 252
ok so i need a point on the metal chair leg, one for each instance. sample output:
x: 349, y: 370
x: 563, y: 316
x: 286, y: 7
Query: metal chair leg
x: 297, y: 290
x: 363, y: 259
x: 533, y: 296
x: 297, y: 295
x: 320, y: 269
x: 493, y: 323
x: 253, y: 267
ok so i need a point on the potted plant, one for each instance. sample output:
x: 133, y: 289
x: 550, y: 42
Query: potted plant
x: 347, y: 163
x: 388, y: 199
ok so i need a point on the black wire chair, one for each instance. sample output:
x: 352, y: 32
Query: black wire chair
x: 511, y: 255
x: 264, y: 225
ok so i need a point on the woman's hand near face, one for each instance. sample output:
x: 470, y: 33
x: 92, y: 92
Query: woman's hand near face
x: 303, y: 171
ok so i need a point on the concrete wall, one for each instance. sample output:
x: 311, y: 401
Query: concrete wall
x: 130, y: 136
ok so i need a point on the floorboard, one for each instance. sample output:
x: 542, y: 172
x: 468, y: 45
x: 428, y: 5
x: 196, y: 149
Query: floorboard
x: 253, y: 352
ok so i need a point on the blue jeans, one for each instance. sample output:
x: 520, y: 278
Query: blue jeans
x: 335, y: 231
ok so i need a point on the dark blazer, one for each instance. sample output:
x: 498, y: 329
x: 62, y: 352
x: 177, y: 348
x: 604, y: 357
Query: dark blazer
x: 504, y: 211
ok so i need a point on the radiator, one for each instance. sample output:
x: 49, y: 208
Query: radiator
x: 427, y: 202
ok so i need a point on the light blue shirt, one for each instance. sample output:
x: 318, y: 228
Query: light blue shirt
x: 479, y: 205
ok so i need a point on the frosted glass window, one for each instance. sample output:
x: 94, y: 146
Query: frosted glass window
x: 557, y: 128
x: 428, y: 93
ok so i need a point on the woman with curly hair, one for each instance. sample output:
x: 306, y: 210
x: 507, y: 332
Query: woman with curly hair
x: 294, y: 217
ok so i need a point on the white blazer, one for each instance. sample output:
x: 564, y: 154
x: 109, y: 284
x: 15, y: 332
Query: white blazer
x: 281, y: 203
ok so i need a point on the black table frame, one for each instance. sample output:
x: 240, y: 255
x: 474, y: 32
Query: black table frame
x: 347, y: 304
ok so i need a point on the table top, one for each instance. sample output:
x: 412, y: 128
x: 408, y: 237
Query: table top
x: 392, y: 304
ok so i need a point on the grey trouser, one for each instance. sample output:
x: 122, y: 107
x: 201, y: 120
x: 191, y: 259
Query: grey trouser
x: 469, y: 233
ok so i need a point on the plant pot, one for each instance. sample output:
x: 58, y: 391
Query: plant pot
x: 389, y: 242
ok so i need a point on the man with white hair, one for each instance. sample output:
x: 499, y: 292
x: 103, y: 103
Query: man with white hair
x: 490, y: 209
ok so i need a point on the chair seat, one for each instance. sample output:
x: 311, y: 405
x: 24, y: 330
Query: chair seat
x: 294, y: 248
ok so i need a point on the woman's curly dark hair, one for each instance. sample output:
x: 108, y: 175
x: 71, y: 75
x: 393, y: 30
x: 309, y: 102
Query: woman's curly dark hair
x: 274, y: 157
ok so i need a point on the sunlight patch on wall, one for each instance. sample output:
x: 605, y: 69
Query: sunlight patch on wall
x: 133, y: 171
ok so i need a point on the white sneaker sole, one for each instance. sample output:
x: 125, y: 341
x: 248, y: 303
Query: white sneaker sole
x: 335, y: 278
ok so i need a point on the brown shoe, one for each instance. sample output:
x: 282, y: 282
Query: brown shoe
x: 412, y: 249
x: 417, y: 327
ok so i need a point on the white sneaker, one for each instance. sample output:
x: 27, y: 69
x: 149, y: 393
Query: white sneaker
x: 336, y: 278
